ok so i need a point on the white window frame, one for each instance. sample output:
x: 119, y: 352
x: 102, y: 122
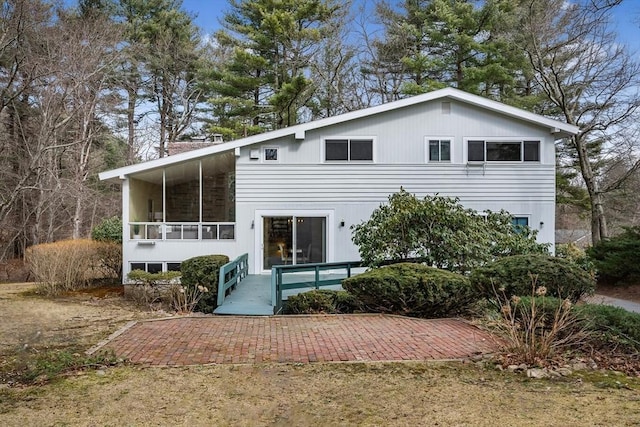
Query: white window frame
x: 329, y: 214
x: 163, y: 265
x: 526, y: 216
x: 427, y: 139
x: 264, y: 154
x: 373, y: 140
x: 516, y: 139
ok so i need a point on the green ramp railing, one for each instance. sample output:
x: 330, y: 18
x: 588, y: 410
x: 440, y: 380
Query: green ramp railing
x: 278, y: 272
x: 231, y: 274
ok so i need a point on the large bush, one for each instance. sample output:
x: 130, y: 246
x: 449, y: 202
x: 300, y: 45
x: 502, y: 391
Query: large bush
x: 412, y: 290
x: 611, y: 327
x: 514, y: 276
x: 109, y: 259
x: 109, y: 235
x: 321, y: 301
x: 617, y: 259
x: 440, y: 232
x: 571, y: 252
x: 203, y: 271
x: 63, y: 266
x: 109, y: 230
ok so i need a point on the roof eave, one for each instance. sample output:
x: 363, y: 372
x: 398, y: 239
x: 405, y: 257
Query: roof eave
x: 557, y: 128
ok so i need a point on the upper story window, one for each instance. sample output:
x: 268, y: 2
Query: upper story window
x: 271, y: 154
x: 503, y: 151
x: 439, y: 150
x: 346, y: 149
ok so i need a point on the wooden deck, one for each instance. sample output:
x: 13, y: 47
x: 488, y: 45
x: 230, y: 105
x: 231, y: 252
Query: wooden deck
x: 252, y: 296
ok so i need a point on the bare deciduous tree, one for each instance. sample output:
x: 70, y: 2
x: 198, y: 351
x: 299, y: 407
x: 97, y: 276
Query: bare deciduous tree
x: 590, y: 80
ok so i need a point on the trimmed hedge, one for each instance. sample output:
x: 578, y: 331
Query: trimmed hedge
x: 617, y: 259
x: 141, y: 277
x: 412, y: 290
x: 321, y: 301
x: 611, y: 326
x: 562, y: 278
x: 204, y: 270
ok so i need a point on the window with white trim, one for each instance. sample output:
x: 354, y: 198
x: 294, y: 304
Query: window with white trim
x: 503, y: 151
x: 519, y: 223
x: 155, y: 267
x: 348, y: 149
x: 149, y: 267
x: 271, y: 154
x: 439, y: 149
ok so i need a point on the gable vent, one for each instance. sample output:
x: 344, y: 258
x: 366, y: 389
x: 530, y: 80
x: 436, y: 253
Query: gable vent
x: 446, y: 107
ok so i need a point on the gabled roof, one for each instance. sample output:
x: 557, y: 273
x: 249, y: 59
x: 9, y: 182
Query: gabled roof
x: 555, y: 127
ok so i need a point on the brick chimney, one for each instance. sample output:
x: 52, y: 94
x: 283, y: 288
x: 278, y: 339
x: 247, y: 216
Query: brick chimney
x: 194, y: 143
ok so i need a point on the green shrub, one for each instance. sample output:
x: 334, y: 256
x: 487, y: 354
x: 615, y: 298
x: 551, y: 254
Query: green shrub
x: 109, y: 230
x: 440, y: 232
x: 141, y: 277
x: 109, y: 249
x: 513, y: 275
x: 321, y: 301
x: 617, y: 259
x: 204, y: 271
x: 611, y: 326
x: 571, y: 252
x: 412, y: 290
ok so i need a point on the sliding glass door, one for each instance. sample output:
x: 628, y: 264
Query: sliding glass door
x: 292, y: 240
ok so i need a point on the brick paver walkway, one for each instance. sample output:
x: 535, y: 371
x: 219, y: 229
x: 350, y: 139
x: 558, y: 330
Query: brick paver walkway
x: 321, y: 338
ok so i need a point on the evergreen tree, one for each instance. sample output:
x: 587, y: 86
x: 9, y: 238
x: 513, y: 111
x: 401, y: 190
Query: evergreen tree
x: 162, y: 62
x: 265, y: 83
x: 430, y: 44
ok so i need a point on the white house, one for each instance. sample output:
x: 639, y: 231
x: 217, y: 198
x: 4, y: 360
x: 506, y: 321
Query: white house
x: 291, y: 195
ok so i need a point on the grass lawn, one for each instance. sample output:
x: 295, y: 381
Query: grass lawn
x: 416, y: 393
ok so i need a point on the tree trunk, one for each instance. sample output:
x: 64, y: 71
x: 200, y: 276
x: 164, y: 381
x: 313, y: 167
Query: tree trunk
x: 131, y: 124
x: 599, y: 229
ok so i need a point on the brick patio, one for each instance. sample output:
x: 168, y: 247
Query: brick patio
x: 318, y: 338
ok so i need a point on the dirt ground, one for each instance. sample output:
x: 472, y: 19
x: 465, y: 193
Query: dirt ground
x: 364, y: 394
x: 34, y: 323
x: 630, y: 292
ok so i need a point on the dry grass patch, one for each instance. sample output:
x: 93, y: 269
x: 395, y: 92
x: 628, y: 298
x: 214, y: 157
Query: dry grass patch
x: 33, y: 326
x: 321, y: 394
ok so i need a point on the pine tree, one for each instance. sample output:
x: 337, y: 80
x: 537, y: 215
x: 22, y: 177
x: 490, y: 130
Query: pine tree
x: 265, y: 84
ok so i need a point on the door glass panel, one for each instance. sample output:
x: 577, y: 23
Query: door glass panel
x: 278, y: 241
x: 310, y: 240
x: 294, y: 240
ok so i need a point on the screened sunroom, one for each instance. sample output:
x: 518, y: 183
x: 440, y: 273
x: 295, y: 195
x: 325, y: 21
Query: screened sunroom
x: 193, y: 200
